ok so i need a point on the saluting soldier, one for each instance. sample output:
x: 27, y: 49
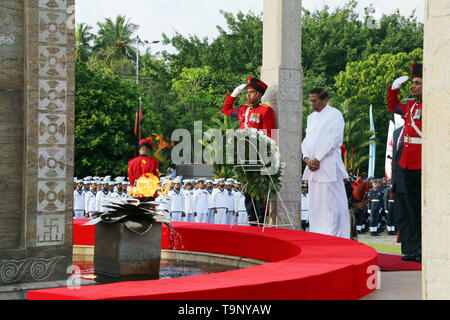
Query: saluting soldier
x: 254, y: 114
x: 410, y: 161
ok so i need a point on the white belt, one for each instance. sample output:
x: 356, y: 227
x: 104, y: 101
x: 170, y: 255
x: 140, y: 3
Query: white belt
x: 413, y: 140
x: 391, y: 200
x: 374, y: 200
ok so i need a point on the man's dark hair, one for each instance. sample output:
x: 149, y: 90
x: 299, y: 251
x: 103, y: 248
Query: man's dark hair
x: 320, y: 91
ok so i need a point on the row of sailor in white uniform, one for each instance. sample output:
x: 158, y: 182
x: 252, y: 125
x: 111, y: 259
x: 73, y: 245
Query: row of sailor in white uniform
x: 90, y: 194
x: 216, y: 202
x: 220, y: 205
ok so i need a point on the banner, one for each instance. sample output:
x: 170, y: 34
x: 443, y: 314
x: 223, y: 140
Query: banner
x: 389, y: 150
x: 372, y: 148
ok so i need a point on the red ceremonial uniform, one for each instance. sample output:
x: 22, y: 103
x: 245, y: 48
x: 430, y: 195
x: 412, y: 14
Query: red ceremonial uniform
x: 261, y: 117
x: 411, y: 158
x: 140, y: 165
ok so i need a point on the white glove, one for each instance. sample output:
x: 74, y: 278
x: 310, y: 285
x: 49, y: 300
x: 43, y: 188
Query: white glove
x: 398, y: 82
x: 238, y: 90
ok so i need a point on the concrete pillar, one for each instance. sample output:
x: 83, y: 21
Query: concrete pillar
x: 436, y: 152
x: 281, y: 71
x: 37, y: 139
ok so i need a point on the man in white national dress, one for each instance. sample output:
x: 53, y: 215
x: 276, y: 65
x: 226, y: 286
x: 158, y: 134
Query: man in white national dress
x: 325, y: 171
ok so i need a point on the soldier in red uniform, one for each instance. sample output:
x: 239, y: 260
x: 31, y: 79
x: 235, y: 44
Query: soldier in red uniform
x: 411, y: 162
x: 143, y: 163
x: 254, y: 114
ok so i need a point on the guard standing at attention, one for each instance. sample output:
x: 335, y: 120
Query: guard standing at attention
x: 142, y: 164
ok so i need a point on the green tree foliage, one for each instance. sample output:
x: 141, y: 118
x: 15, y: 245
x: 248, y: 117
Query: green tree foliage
x: 104, y: 122
x: 114, y: 39
x: 83, y: 37
x: 365, y: 83
x: 339, y: 51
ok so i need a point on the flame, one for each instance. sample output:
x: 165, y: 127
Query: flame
x: 161, y: 144
x: 146, y: 186
x: 163, y: 190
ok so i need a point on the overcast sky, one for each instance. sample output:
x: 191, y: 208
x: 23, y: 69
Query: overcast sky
x: 200, y: 17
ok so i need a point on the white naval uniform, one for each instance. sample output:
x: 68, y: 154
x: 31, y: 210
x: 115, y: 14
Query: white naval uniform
x: 239, y: 206
x: 188, y: 207
x: 176, y: 205
x: 163, y: 206
x: 220, y: 202
x: 201, y: 204
x: 210, y: 215
x: 305, y: 216
x: 78, y: 204
x: 117, y: 195
x: 327, y: 200
x: 230, y: 208
x: 91, y: 202
x: 101, y: 202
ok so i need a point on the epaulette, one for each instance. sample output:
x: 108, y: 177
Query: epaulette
x: 265, y: 105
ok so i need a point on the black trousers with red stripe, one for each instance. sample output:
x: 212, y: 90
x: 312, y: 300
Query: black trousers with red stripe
x: 408, y: 213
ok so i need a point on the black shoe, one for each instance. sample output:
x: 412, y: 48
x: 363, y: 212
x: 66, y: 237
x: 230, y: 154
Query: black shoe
x: 409, y: 257
x: 374, y: 234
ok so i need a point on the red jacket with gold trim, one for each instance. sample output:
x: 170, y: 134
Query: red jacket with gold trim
x: 140, y: 165
x: 411, y: 158
x: 261, y: 117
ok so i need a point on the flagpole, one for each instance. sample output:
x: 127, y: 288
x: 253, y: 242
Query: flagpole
x: 138, y: 129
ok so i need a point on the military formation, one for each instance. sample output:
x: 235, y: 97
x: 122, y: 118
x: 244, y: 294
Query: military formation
x: 372, y: 211
x: 378, y: 215
x: 218, y: 201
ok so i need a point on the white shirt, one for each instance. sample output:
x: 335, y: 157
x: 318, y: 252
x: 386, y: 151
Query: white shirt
x: 90, y: 201
x: 239, y: 201
x: 78, y: 200
x: 201, y: 201
x: 323, y: 140
x: 221, y: 199
x: 176, y: 201
x: 305, y: 207
x: 188, y: 199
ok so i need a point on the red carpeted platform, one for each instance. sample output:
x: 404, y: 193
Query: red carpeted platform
x: 301, y: 265
x: 394, y: 262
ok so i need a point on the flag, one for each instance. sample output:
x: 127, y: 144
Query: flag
x: 389, y: 151
x: 372, y: 147
x: 137, y: 123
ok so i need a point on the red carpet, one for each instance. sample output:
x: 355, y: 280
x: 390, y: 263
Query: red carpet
x: 300, y: 265
x: 394, y: 262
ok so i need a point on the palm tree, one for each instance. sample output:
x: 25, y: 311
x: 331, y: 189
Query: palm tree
x: 82, y: 41
x: 114, y: 40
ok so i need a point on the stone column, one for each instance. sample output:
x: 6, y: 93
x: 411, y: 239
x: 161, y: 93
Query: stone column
x: 37, y: 141
x: 436, y: 152
x: 281, y: 71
